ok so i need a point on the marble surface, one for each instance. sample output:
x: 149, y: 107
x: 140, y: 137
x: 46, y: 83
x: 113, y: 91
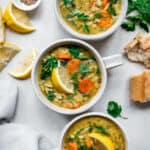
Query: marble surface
x: 31, y: 112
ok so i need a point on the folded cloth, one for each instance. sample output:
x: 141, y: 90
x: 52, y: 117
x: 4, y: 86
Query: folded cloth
x: 15, y: 136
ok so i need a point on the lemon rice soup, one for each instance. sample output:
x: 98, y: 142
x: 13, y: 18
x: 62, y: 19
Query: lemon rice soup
x: 90, y: 16
x: 69, y: 76
x: 94, y: 133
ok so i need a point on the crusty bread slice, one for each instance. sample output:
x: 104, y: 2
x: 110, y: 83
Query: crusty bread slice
x: 137, y: 88
x: 138, y: 50
x: 147, y: 85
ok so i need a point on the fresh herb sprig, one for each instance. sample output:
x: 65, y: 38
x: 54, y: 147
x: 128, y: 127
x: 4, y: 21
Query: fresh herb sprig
x: 141, y: 17
x: 114, y: 109
x: 47, y: 67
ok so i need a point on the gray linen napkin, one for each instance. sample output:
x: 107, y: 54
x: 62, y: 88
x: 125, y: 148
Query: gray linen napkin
x: 16, y: 136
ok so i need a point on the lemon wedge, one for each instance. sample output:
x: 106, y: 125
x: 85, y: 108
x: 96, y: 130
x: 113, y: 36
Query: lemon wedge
x: 2, y: 27
x: 7, y: 52
x: 104, y: 142
x: 24, y: 68
x: 16, y: 19
x: 61, y: 80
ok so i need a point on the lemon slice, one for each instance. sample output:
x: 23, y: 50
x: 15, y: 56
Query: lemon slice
x: 104, y: 142
x: 24, y: 68
x: 61, y: 80
x: 2, y: 27
x: 7, y: 52
x: 17, y: 20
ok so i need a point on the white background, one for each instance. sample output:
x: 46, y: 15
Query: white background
x: 31, y: 112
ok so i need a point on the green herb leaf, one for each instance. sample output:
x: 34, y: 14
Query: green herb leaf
x: 112, y: 10
x: 135, y: 18
x: 86, y: 28
x: 101, y: 130
x: 83, y: 69
x: 74, y: 51
x: 84, y: 147
x: 97, y: 15
x: 128, y: 25
x: 82, y: 16
x: 51, y: 95
x: 67, y: 1
x: 144, y: 25
x: 47, y: 67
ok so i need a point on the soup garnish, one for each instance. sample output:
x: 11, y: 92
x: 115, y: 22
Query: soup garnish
x: 90, y: 16
x: 69, y: 76
x: 94, y: 133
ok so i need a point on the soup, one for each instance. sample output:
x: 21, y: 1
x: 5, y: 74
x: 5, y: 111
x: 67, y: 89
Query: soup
x: 69, y: 76
x: 94, y: 133
x: 90, y: 16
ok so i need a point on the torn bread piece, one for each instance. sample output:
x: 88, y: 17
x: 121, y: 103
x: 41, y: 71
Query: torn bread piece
x: 140, y: 87
x: 2, y: 27
x: 7, y: 52
x: 138, y: 50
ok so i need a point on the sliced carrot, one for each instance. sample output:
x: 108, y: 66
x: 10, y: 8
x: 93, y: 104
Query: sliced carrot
x: 104, y: 3
x: 92, y: 2
x: 65, y: 56
x: 88, y: 142
x: 86, y: 86
x: 73, y: 65
x: 72, y: 146
x: 105, y: 22
x: 69, y: 105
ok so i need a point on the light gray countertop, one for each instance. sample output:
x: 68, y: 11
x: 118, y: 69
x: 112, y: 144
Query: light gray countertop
x: 31, y: 112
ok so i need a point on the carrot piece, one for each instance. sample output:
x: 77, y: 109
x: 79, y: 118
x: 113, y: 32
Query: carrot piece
x: 86, y: 86
x: 69, y: 105
x: 73, y: 65
x: 88, y: 142
x: 92, y: 2
x: 105, y: 22
x: 72, y: 146
x: 65, y: 56
x: 104, y: 3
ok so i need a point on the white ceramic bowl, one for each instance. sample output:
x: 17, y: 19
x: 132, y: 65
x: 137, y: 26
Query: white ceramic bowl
x: 109, y: 62
x: 24, y: 7
x: 98, y: 36
x: 98, y: 114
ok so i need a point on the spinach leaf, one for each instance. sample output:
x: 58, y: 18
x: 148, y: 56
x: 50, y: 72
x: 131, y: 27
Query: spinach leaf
x: 74, y: 51
x: 47, y: 67
x: 67, y: 1
x: 114, y: 109
x: 112, y: 10
x: 51, y: 95
x: 82, y: 16
x: 144, y: 25
x: 86, y: 28
x: 128, y: 25
x: 101, y: 130
x: 84, y: 147
x: 83, y: 69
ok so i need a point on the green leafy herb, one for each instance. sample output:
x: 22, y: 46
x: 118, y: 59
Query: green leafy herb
x: 51, y: 95
x: 74, y: 76
x: 114, y: 109
x: 82, y: 16
x: 83, y: 69
x: 86, y: 28
x: 97, y: 15
x: 112, y: 10
x: 67, y: 1
x: 74, y: 51
x: 101, y: 130
x: 84, y: 147
x: 142, y: 17
x: 128, y: 25
x: 47, y: 67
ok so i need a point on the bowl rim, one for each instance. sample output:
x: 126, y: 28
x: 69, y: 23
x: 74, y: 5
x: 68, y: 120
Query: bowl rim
x: 92, y: 114
x: 93, y: 101
x: 92, y: 37
x: 26, y: 7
